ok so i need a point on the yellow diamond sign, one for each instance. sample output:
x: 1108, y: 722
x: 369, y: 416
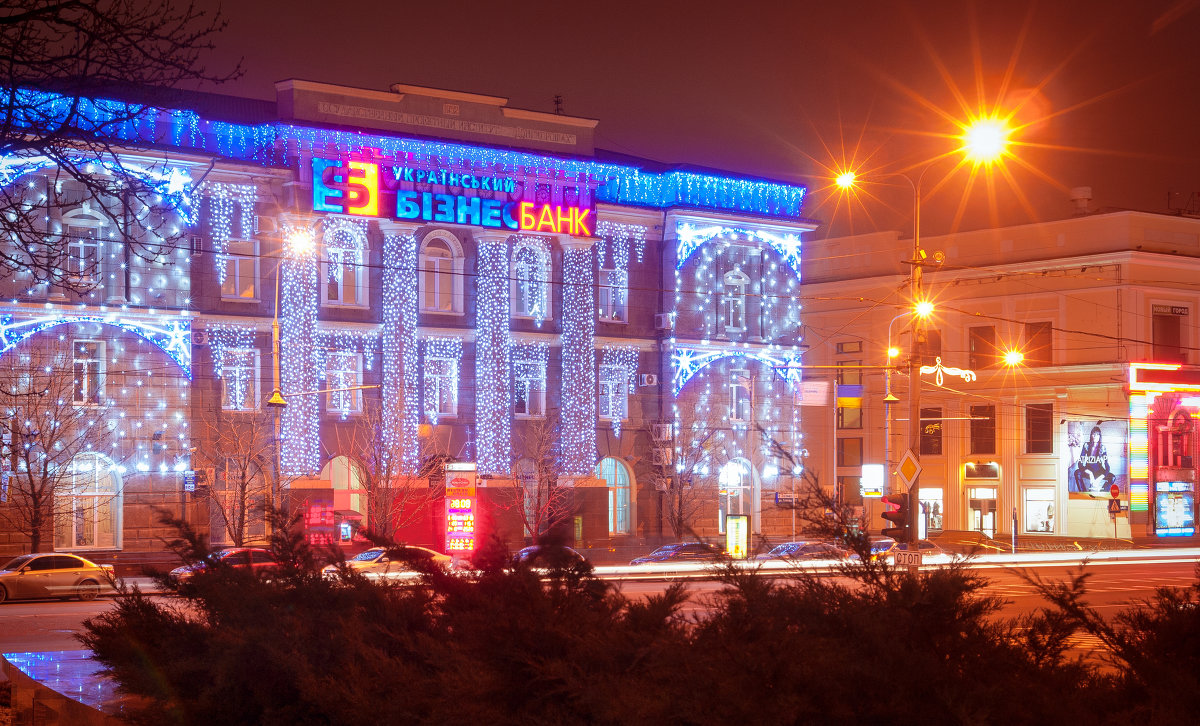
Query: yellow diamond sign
x: 908, y: 468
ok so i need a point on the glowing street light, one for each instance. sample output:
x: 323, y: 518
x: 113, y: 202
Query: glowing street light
x: 845, y: 180
x: 985, y: 140
x: 1013, y: 358
x: 924, y: 309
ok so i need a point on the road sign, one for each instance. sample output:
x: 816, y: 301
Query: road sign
x: 907, y: 558
x: 1114, y: 506
x: 189, y: 481
x: 908, y: 468
x: 1114, y: 491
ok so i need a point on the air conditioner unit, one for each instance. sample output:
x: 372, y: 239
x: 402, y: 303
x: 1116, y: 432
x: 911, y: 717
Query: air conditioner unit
x: 662, y: 455
x: 664, y: 321
x: 265, y: 224
x: 196, y: 243
x: 199, y: 337
x: 662, y: 431
x: 648, y: 379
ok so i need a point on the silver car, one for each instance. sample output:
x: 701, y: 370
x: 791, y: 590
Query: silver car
x: 51, y: 574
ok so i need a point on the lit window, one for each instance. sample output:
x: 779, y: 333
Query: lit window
x: 87, y: 511
x: 241, y: 271
x: 343, y: 267
x: 440, y: 276
x: 343, y: 376
x: 612, y: 296
x: 733, y: 301
x: 531, y: 282
x: 530, y: 391
x: 740, y: 396
x: 239, y: 380
x: 614, y: 394
x: 83, y: 253
x: 441, y: 386
x: 89, y: 363
x: 616, y: 476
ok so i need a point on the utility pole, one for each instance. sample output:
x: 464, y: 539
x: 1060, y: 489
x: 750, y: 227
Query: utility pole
x: 914, y: 367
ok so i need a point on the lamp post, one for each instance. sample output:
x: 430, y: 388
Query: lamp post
x: 984, y: 142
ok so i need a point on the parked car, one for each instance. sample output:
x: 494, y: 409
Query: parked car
x: 805, y: 550
x: 50, y: 574
x: 925, y: 547
x: 549, y: 556
x: 682, y: 552
x: 255, y: 559
x: 389, y: 562
x: 880, y: 547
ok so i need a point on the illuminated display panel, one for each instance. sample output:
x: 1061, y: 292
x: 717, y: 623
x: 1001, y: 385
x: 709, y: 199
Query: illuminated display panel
x: 460, y: 509
x: 372, y: 189
x: 1174, y: 502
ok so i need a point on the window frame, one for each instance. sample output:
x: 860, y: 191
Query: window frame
x: 977, y: 358
x: 616, y: 308
x: 530, y: 385
x: 605, y: 394
x: 254, y: 391
x: 929, y: 436
x: 734, y: 300
x: 357, y: 394
x: 360, y: 285
x: 740, y: 380
x: 979, y: 429
x: 234, y: 261
x: 1033, y: 355
x: 101, y: 361
x: 106, y: 504
x: 522, y: 307
x: 447, y: 381
x: 1029, y: 408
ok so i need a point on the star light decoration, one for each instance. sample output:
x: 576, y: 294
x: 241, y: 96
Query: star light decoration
x: 171, y: 333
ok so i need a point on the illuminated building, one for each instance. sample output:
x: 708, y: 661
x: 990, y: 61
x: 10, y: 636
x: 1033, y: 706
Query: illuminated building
x: 467, y: 270
x: 1103, y: 308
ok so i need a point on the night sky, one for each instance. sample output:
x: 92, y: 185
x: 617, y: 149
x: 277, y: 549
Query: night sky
x: 1108, y: 91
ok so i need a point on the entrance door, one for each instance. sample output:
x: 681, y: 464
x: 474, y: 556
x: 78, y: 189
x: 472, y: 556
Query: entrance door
x: 981, y: 510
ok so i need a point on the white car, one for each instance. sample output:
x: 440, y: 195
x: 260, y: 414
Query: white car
x: 390, y: 562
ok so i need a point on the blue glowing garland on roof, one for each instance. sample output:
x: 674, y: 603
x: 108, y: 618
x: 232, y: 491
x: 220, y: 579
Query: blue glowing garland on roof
x: 279, y: 144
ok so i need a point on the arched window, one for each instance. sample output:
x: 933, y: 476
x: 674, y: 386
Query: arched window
x: 88, y: 511
x: 84, y: 232
x: 733, y: 301
x: 531, y: 280
x: 343, y: 267
x: 441, y: 267
x: 616, y: 476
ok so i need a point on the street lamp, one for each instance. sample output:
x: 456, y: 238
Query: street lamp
x: 984, y: 143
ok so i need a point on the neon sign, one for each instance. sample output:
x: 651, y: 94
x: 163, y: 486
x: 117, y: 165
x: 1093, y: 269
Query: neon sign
x: 359, y: 188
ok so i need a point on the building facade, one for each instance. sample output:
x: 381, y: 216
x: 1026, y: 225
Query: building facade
x: 1103, y: 309
x: 426, y: 278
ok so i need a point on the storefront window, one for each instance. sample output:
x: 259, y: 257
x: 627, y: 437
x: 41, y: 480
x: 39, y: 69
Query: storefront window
x: 932, y: 508
x: 1038, y: 506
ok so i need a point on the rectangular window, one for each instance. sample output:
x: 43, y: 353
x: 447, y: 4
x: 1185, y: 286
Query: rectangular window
x: 849, y: 418
x: 438, y: 281
x: 983, y: 429
x: 344, y: 278
x: 1039, y: 509
x: 614, y: 394
x: 530, y: 390
x: 1039, y: 428
x: 1168, y: 339
x: 981, y: 347
x: 849, y: 346
x: 239, y: 380
x: 931, y: 350
x: 83, y: 253
x: 613, y: 291
x: 441, y: 384
x: 849, y: 452
x: 740, y: 403
x: 89, y: 371
x: 1039, y: 344
x: 931, y: 431
x: 343, y: 378
x: 848, y: 374
x: 241, y: 271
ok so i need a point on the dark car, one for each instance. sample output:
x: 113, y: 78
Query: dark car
x: 50, y: 574
x: 682, y: 552
x: 255, y: 559
x: 805, y: 550
x: 549, y: 556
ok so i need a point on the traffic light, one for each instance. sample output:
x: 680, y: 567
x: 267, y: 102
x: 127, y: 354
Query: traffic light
x: 898, y: 516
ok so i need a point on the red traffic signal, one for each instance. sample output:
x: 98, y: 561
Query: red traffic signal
x: 898, y: 516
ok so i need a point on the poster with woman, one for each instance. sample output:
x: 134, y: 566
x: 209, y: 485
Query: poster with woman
x: 1097, y: 451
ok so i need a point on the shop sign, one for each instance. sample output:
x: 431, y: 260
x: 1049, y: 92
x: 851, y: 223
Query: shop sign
x: 1097, y: 456
x: 872, y: 481
x: 1169, y: 309
x: 375, y: 189
x: 460, y: 511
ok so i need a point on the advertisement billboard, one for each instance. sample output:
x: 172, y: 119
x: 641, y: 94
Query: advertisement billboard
x: 1097, y: 458
x: 1174, y: 510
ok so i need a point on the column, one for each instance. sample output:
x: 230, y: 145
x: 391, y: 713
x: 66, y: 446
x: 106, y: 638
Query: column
x: 493, y: 377
x: 578, y: 419
x: 401, y: 374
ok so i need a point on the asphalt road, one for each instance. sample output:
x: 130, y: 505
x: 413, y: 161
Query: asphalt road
x: 51, y: 625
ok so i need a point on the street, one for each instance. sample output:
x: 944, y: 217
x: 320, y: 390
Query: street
x: 51, y: 625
